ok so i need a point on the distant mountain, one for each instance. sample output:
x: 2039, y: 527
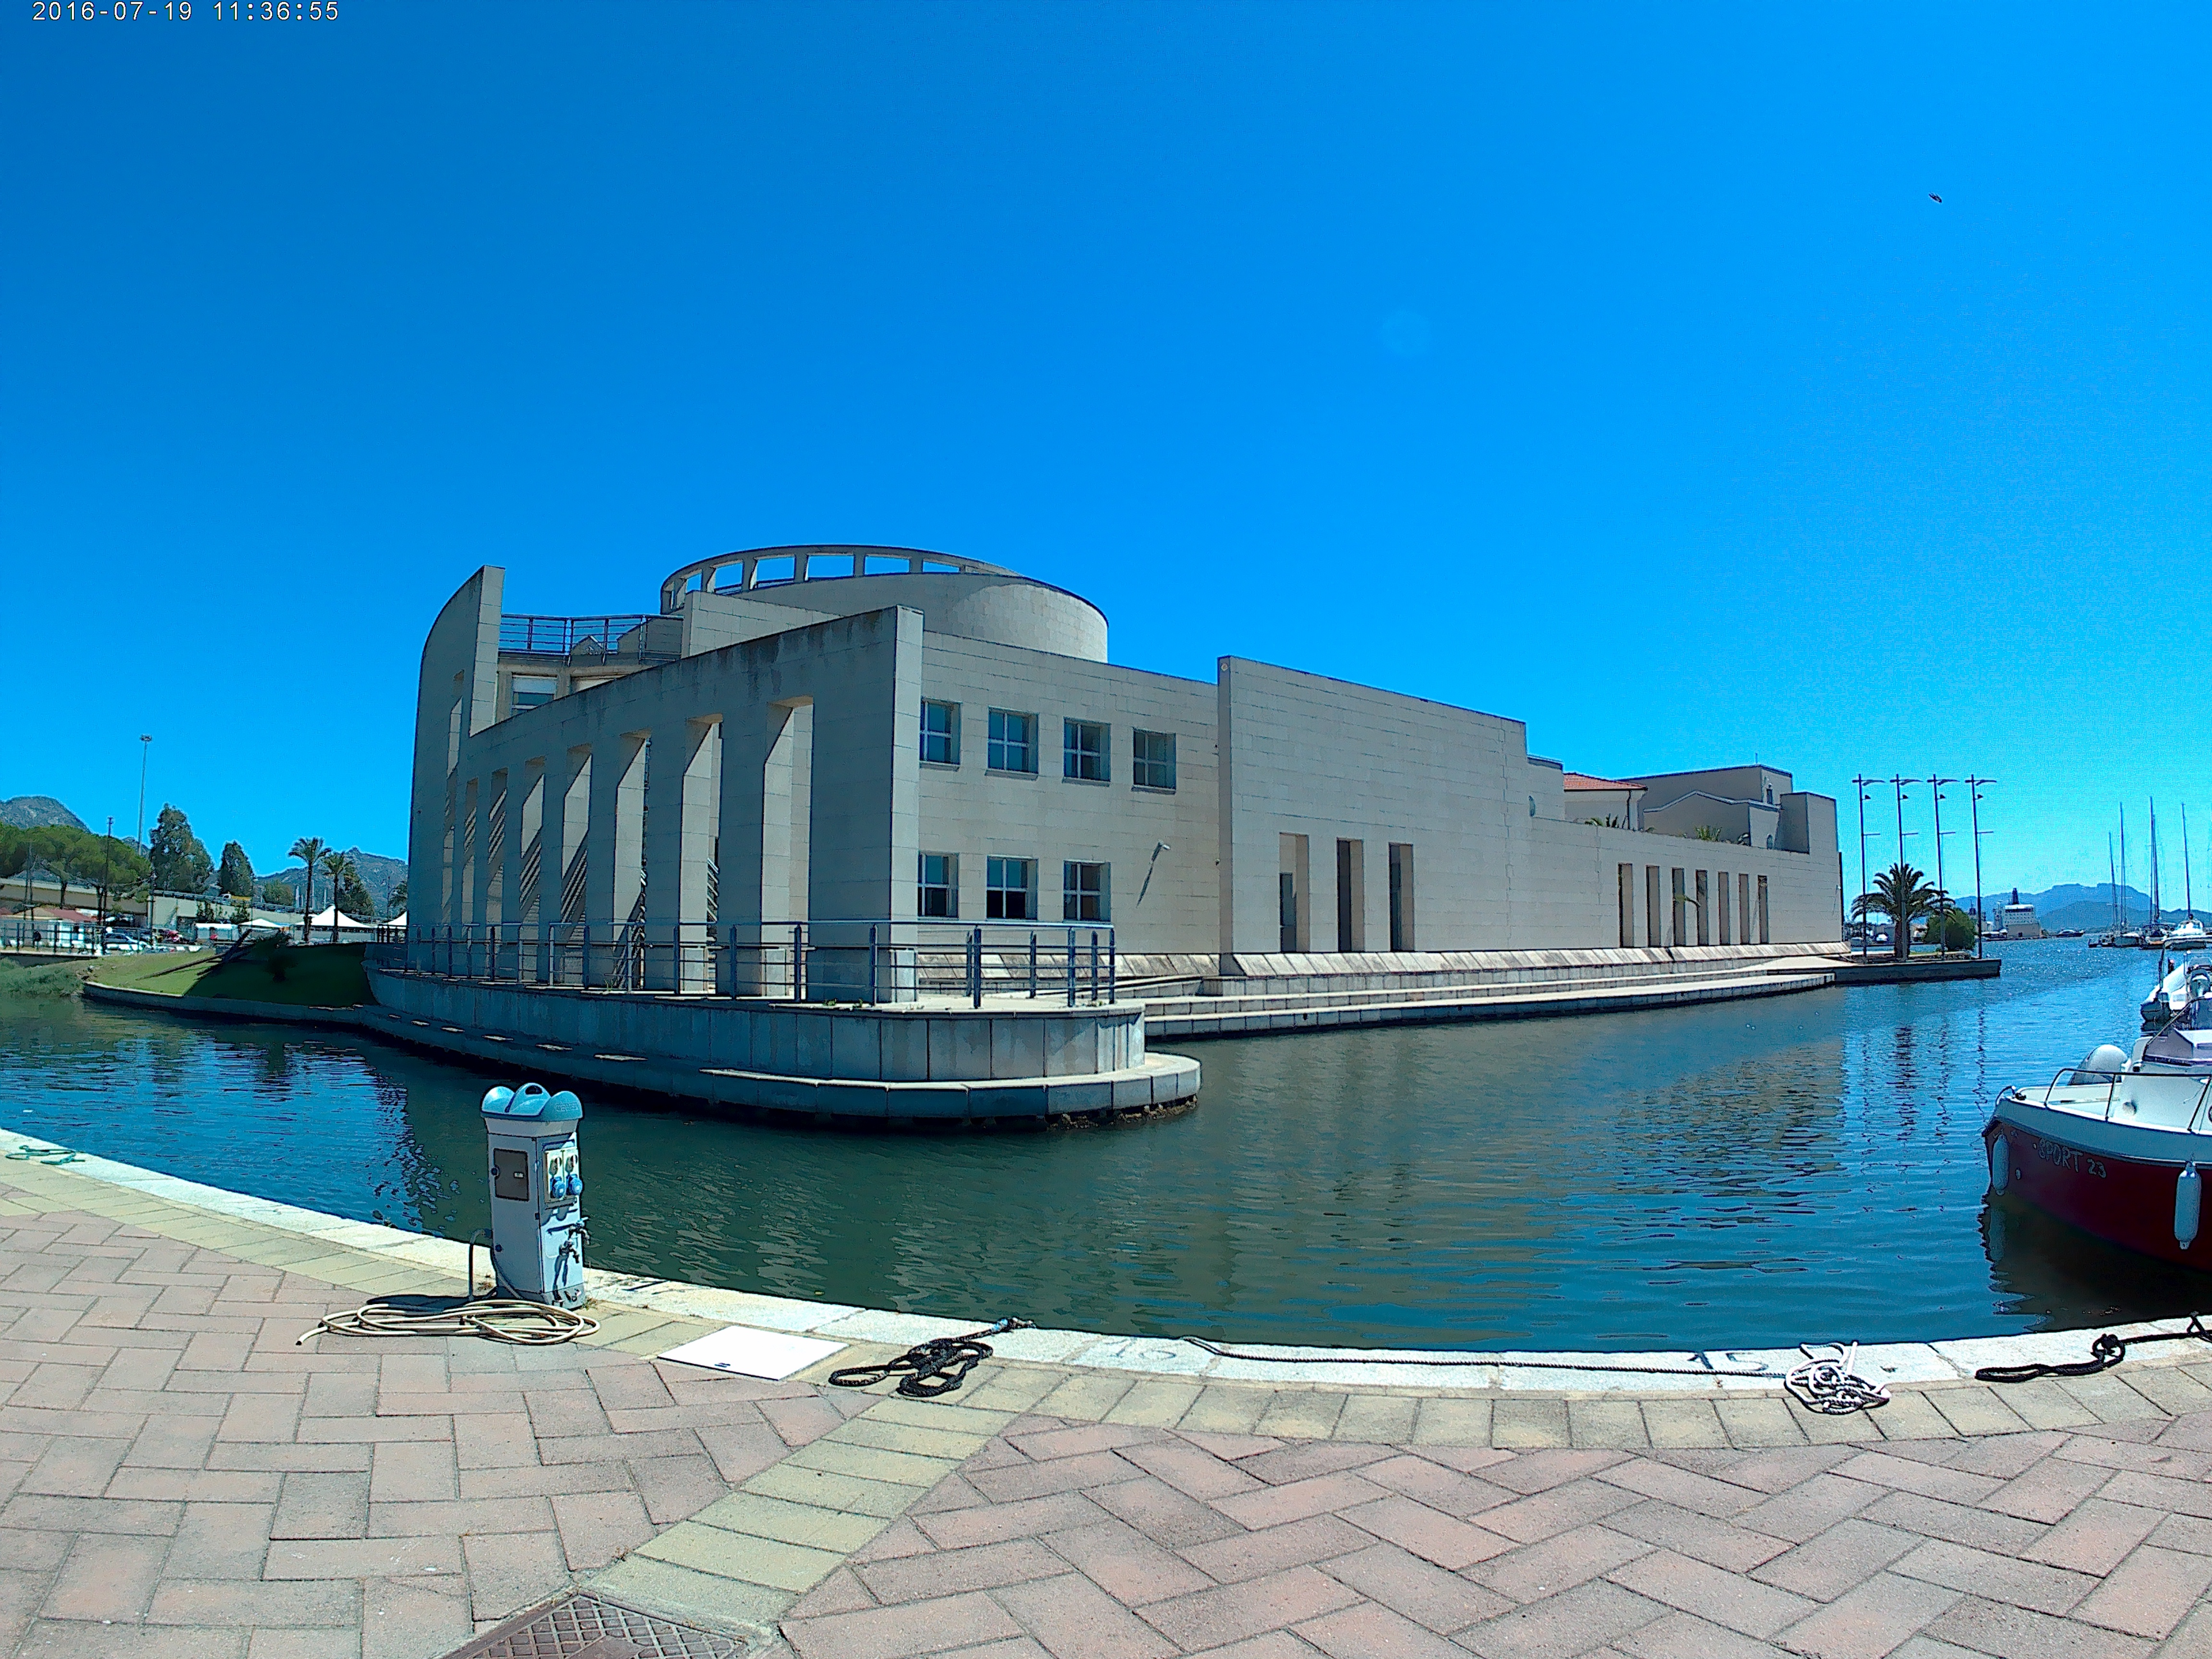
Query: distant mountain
x: 35, y: 811
x: 379, y: 874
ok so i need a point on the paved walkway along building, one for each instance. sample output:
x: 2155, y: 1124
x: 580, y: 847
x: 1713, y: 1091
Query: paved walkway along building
x: 842, y: 734
x: 180, y: 1476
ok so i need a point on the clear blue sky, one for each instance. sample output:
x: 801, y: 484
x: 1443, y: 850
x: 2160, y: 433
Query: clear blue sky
x: 1608, y: 368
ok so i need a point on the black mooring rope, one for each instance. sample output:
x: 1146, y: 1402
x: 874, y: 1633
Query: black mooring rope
x: 931, y: 1369
x: 2107, y: 1351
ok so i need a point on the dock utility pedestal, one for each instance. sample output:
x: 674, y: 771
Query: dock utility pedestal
x: 537, y: 1194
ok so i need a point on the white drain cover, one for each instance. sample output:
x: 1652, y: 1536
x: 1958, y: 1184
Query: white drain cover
x: 773, y: 1355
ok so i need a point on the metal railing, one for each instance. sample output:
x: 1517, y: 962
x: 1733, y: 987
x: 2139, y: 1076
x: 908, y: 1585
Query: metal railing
x: 862, y: 962
x: 557, y: 636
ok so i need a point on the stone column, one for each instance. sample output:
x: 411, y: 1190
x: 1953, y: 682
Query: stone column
x: 565, y: 851
x: 617, y: 869
x: 756, y: 843
x: 528, y: 802
x: 676, y: 844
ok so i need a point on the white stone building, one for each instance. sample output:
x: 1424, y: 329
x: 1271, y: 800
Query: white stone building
x: 841, y: 734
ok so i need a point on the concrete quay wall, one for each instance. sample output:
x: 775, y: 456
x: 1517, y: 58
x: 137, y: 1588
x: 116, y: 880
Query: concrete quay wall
x: 1003, y: 1041
x: 1153, y: 1083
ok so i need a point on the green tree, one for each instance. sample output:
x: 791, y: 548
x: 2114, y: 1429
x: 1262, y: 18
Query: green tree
x: 278, y: 895
x: 110, y: 865
x: 308, y: 849
x: 398, y: 905
x: 236, y: 878
x: 353, y: 899
x: 53, y: 854
x: 181, y: 864
x: 340, y: 867
x: 1904, y: 895
x: 1950, y: 929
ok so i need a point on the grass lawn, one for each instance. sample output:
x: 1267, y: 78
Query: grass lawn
x: 315, y: 976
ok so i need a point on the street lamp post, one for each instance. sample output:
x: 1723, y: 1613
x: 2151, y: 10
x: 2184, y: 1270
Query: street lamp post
x: 107, y: 876
x: 145, y: 749
x: 1901, y: 927
x: 1974, y: 788
x: 1936, y: 789
x: 1860, y: 784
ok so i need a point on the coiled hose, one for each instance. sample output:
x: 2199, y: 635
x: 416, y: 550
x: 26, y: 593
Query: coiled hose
x: 495, y: 1318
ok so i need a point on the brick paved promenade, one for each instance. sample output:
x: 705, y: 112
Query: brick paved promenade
x: 180, y: 1477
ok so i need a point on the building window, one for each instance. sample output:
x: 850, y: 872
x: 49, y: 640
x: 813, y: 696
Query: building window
x: 940, y: 733
x: 1151, y: 756
x: 1010, y: 890
x: 1013, y: 742
x: 1085, y: 892
x: 1401, y: 897
x: 1084, y: 753
x: 940, y: 885
x: 531, y: 689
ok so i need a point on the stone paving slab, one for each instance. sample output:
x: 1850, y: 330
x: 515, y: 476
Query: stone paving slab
x: 178, y: 1475
x: 1071, y: 1537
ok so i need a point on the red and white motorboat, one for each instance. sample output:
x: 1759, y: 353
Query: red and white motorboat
x: 2114, y: 1146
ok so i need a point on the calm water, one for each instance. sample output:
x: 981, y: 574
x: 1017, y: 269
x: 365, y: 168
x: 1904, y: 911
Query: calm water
x: 1803, y: 1168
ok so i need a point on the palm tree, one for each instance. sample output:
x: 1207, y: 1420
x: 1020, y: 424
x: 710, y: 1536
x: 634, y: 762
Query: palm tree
x: 308, y: 849
x: 337, y: 867
x: 1904, y: 895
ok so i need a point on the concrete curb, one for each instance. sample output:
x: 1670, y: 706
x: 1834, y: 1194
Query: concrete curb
x: 1127, y: 1359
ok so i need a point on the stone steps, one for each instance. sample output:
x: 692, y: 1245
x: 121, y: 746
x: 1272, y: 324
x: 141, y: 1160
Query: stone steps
x: 1256, y: 1015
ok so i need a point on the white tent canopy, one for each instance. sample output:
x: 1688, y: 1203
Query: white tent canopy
x: 335, y: 917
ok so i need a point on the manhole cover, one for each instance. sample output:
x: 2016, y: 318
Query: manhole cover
x: 583, y: 1627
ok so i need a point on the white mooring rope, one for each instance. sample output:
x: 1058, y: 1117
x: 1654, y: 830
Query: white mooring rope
x: 1826, y: 1384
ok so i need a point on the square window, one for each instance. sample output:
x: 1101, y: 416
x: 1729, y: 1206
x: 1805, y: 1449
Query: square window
x: 940, y: 733
x: 531, y: 690
x: 1084, y: 751
x: 1010, y: 890
x: 1013, y: 742
x: 1085, y: 892
x: 1152, y: 760
x: 940, y: 894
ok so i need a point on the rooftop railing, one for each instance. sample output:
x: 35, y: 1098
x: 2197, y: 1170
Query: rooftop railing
x: 557, y: 636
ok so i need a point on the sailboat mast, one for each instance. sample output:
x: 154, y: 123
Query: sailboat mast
x: 2188, y: 894
x: 2157, y: 898
x: 2126, y: 909
x: 2113, y: 886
